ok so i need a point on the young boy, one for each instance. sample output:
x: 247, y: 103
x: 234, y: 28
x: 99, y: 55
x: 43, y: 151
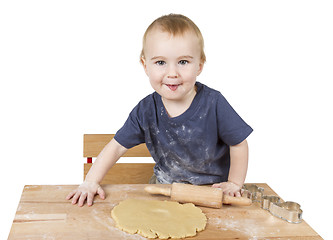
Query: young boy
x: 191, y: 131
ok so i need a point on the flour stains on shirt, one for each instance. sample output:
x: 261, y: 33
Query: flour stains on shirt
x: 191, y: 148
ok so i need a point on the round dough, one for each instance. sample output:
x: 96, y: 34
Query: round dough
x: 163, y: 219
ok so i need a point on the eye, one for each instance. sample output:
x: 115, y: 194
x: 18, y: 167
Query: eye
x: 160, y: 62
x: 183, y: 62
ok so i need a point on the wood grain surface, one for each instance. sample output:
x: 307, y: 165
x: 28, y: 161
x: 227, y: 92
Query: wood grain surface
x: 93, y: 144
x: 44, y: 213
x: 129, y: 173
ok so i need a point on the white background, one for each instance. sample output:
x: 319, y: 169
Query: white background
x: 72, y: 67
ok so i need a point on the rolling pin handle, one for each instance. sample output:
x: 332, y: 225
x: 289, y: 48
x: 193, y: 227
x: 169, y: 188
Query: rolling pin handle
x: 239, y: 201
x: 158, y: 190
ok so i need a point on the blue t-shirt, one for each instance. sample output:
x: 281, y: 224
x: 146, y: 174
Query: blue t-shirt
x: 191, y: 148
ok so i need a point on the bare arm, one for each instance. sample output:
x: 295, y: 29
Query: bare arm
x: 90, y: 187
x: 238, y: 163
x: 238, y: 169
x: 105, y: 160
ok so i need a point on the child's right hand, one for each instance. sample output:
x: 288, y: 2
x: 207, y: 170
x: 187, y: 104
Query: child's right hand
x: 86, y: 191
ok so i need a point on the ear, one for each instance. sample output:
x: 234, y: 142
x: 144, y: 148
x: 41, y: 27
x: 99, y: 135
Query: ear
x: 143, y: 62
x: 201, y: 65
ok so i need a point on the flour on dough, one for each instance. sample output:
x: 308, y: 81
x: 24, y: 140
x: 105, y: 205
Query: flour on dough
x: 163, y: 219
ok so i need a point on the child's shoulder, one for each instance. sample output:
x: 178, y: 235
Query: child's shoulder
x: 208, y: 91
x: 148, y: 103
x: 149, y: 99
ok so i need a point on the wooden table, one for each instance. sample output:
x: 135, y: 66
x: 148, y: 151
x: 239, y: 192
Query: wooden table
x: 43, y: 213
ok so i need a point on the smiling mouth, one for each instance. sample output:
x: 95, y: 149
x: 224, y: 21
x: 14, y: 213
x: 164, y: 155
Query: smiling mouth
x: 172, y: 87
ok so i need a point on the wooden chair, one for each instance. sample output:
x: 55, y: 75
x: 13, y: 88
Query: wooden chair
x: 120, y: 173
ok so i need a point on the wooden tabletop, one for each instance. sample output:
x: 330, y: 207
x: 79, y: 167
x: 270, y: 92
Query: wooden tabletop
x: 44, y: 213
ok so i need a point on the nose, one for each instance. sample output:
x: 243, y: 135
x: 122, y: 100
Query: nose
x: 172, y: 71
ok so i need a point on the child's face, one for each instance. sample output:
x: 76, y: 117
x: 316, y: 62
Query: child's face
x: 172, y: 63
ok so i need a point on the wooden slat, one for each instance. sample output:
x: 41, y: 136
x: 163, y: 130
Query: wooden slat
x: 129, y: 173
x: 94, y: 143
x: 120, y: 173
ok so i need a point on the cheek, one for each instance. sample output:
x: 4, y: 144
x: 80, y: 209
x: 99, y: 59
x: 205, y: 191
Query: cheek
x: 155, y: 75
x: 190, y: 74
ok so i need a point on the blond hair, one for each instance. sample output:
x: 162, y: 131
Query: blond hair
x: 176, y: 25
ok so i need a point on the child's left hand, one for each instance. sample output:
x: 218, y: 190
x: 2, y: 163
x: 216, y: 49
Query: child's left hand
x: 229, y: 188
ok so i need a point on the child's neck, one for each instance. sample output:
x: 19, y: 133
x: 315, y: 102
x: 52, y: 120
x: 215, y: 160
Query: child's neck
x: 176, y: 108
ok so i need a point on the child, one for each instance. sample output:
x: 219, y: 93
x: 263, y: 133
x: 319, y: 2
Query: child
x: 191, y: 131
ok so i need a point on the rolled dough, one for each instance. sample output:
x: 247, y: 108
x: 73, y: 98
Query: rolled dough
x: 163, y: 219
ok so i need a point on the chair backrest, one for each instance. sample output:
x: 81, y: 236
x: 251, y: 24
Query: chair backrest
x: 120, y: 173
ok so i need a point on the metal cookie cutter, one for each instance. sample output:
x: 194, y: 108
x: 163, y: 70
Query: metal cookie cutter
x: 253, y: 192
x: 288, y: 211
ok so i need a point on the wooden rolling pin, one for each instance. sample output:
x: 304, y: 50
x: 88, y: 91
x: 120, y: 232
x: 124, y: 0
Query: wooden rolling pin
x: 198, y: 195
